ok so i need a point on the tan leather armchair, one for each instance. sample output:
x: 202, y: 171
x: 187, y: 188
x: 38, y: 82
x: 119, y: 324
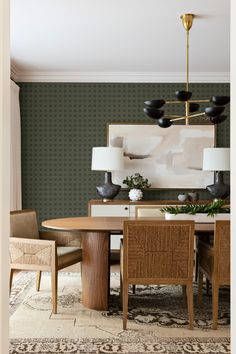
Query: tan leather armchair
x: 31, y: 249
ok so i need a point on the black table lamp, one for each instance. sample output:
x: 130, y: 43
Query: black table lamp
x: 218, y: 160
x: 107, y: 159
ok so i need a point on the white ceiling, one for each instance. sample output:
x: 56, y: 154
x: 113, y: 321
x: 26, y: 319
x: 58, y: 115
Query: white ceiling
x: 119, y: 40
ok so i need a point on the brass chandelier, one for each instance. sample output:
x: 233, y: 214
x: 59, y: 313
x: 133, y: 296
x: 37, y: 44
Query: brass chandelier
x: 213, y: 113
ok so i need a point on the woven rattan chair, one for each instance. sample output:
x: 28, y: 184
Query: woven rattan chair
x: 157, y: 252
x: 214, y: 262
x: 41, y: 251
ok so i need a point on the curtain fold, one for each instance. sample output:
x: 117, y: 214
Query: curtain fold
x: 15, y: 150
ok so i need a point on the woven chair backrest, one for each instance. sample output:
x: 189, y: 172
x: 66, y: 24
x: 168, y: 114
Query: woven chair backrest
x: 23, y: 224
x: 159, y: 249
x: 222, y: 249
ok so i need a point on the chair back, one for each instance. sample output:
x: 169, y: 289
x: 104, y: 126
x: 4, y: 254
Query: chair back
x: 23, y: 224
x: 158, y: 249
x: 222, y: 251
x: 149, y: 212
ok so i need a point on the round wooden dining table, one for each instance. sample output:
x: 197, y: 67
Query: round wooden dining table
x: 96, y: 233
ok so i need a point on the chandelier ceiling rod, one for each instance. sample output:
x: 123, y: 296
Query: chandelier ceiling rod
x: 187, y: 21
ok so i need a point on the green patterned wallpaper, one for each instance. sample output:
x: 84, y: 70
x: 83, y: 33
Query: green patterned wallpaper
x: 61, y: 122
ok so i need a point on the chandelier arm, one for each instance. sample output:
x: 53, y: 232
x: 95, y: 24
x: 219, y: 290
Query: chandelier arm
x: 174, y: 102
x: 172, y: 116
x: 191, y: 116
x: 199, y: 101
x: 190, y: 101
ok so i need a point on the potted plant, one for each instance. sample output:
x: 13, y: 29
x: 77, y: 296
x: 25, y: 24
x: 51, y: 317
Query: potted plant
x: 136, y: 183
x: 200, y: 213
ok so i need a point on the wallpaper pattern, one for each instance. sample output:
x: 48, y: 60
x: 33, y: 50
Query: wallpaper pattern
x: 61, y: 122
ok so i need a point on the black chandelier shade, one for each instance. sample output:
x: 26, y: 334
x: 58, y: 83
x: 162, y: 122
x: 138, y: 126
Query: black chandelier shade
x: 153, y: 113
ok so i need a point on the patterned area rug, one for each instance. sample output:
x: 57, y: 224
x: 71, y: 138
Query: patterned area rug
x: 158, y: 321
x: 126, y: 345
x: 164, y: 306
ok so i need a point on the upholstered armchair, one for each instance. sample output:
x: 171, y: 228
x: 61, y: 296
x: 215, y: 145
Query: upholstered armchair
x: 157, y: 252
x: 31, y: 249
x: 214, y: 262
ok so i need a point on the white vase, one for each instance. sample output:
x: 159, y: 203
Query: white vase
x: 135, y: 194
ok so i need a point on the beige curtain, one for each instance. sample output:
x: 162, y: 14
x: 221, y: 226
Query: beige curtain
x: 15, y: 150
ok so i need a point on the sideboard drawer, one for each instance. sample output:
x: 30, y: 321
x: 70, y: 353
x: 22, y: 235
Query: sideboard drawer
x: 133, y: 208
x: 110, y: 210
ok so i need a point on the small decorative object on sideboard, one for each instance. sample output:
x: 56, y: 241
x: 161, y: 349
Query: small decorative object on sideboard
x: 136, y: 183
x: 183, y: 197
x: 217, y: 210
x: 192, y: 196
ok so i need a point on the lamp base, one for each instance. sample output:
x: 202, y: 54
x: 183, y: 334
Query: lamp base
x: 219, y: 189
x: 108, y: 190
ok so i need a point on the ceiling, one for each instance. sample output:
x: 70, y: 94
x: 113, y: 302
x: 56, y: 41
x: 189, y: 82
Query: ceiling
x: 119, y: 40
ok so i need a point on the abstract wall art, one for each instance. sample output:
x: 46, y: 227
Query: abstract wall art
x: 169, y: 158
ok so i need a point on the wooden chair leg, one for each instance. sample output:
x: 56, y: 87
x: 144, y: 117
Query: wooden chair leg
x: 190, y: 305
x: 121, y: 291
x: 38, y: 280
x: 200, y: 285
x: 207, y: 287
x: 10, y: 279
x: 125, y: 303
x: 196, y: 265
x: 215, y: 303
x: 133, y: 289
x: 54, y: 279
x: 184, y: 294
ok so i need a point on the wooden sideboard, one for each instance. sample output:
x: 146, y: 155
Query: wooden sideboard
x: 125, y: 207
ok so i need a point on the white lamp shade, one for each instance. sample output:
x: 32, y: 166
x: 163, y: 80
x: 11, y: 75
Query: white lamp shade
x: 107, y: 159
x: 216, y: 159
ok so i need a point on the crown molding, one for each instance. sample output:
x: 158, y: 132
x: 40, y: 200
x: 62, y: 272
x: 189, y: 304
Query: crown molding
x: 116, y: 77
x: 15, y: 74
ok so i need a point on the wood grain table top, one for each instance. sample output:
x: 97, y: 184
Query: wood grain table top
x: 91, y: 223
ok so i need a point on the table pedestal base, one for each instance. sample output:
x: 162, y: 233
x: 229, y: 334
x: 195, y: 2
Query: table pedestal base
x: 95, y: 270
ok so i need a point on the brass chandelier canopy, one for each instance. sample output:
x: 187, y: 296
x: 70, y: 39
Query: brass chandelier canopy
x: 213, y: 113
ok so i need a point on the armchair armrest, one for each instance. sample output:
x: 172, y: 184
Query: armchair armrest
x: 63, y: 238
x: 32, y: 254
